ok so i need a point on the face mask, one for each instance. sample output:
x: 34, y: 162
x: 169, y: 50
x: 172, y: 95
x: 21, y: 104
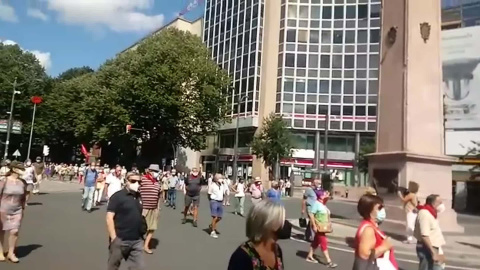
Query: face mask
x: 134, y: 186
x: 441, y: 208
x: 155, y: 175
x: 381, y: 215
x: 285, y: 232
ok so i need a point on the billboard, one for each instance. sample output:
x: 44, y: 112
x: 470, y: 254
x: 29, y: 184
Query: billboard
x: 16, y: 127
x: 461, y: 77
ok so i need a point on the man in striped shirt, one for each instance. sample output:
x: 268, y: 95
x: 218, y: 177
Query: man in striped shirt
x: 150, y: 190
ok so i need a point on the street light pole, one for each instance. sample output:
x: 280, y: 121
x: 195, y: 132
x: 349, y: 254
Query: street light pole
x: 235, y: 147
x: 10, y: 118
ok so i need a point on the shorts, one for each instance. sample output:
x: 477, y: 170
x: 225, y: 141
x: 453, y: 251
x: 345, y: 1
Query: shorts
x: 216, y: 208
x: 29, y: 187
x: 189, y: 200
x: 151, y: 217
x: 321, y: 240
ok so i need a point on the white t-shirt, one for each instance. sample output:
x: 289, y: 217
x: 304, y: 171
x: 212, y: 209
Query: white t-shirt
x: 114, y: 184
x: 240, y: 190
x: 28, y: 175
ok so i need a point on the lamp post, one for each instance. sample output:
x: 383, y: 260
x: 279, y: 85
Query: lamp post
x: 35, y: 100
x: 9, y: 125
x: 235, y: 147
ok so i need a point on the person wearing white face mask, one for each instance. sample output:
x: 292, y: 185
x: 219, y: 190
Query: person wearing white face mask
x: 429, y: 235
x: 126, y: 226
x: 150, y: 191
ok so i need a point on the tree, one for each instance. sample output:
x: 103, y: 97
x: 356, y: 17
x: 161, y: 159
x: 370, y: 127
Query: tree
x: 23, y: 68
x: 365, y: 149
x: 74, y: 72
x: 273, y: 142
x: 169, y: 88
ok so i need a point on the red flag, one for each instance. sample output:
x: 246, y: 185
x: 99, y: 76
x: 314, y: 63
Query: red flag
x: 84, y: 151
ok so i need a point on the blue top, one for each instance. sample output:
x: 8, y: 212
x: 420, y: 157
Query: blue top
x: 311, y: 197
x: 90, y: 177
x: 274, y: 195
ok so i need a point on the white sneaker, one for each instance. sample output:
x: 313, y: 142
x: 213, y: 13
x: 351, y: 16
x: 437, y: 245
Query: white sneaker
x: 214, y: 235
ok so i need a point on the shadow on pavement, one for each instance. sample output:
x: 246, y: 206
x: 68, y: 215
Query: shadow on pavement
x: 42, y: 193
x: 23, y: 251
x: 470, y: 245
x: 34, y: 203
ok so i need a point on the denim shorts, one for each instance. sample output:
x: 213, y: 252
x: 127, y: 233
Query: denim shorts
x: 216, y: 208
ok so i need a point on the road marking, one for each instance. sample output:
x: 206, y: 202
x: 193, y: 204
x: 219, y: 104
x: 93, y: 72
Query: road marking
x: 398, y: 259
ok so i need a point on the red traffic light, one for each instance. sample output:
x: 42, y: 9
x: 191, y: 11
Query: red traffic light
x: 36, y: 100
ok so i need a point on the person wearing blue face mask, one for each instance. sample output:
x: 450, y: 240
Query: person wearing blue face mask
x: 371, y: 244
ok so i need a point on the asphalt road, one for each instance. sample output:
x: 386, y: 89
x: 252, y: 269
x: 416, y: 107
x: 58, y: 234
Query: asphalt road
x: 56, y: 234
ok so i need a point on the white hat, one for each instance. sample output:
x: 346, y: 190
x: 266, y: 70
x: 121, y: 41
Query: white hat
x: 154, y: 167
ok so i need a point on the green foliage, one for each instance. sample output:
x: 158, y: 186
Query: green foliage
x: 365, y: 149
x: 23, y: 68
x: 274, y: 140
x: 74, y: 72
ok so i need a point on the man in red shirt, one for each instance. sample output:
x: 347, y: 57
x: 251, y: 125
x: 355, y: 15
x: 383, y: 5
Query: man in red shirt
x: 150, y: 190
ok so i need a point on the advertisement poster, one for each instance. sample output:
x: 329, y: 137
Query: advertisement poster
x: 461, y: 77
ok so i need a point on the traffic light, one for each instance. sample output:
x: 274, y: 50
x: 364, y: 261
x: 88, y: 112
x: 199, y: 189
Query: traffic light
x: 46, y: 150
x: 128, y: 128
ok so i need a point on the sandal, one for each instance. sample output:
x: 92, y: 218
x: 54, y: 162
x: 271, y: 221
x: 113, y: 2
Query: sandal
x: 311, y: 260
x: 13, y: 259
x: 148, y: 251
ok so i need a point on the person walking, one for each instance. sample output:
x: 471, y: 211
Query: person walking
x: 227, y: 185
x: 91, y: 175
x: 239, y: 189
x: 429, y: 235
x: 172, y: 189
x: 266, y: 224
x: 256, y: 189
x: 39, y: 170
x: 217, y: 191
x: 274, y: 193
x: 5, y: 167
x: 370, y: 242
x: 410, y: 203
x: 29, y: 178
x: 13, y: 199
x: 150, y: 191
x: 113, y: 182
x: 126, y: 226
x: 193, y: 186
x: 99, y: 187
x: 165, y: 187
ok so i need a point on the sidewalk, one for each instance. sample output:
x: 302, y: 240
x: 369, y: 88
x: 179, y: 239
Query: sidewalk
x: 459, y: 249
x: 53, y: 185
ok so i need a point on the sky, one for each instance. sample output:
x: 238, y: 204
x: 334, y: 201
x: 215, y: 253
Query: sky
x: 72, y: 33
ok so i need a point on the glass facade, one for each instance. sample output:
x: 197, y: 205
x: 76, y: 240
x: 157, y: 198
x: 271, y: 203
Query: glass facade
x: 328, y: 63
x: 233, y: 31
x: 460, y: 13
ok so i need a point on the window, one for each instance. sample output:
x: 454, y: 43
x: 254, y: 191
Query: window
x: 375, y: 11
x: 337, y: 61
x: 290, y: 60
x: 311, y: 109
x: 288, y: 85
x: 361, y: 61
x: 374, y: 61
x: 326, y: 37
x: 303, y: 12
x: 338, y: 37
x: 287, y: 97
x: 300, y: 108
x: 292, y: 12
x: 323, y: 109
x: 350, y: 36
x: 360, y: 110
x: 313, y: 61
x: 349, y: 61
x: 372, y: 110
x: 335, y: 110
x: 327, y: 12
x: 301, y: 60
x: 300, y: 86
x: 373, y: 87
x: 362, y: 36
x: 291, y: 35
x: 315, y: 12
x: 312, y: 86
x: 361, y: 87
x: 375, y: 36
x: 338, y: 12
x: 336, y: 87
x: 302, y: 36
x: 287, y: 108
x: 362, y: 11
x: 314, y: 36
x: 325, y: 61
x: 348, y: 87
x: 347, y: 110
x: 300, y: 97
x: 351, y: 12
x: 324, y: 87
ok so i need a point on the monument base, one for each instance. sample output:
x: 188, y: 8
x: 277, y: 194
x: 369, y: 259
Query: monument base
x: 390, y: 170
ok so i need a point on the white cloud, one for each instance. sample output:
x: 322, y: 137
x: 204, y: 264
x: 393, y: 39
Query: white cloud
x: 37, y: 13
x: 43, y: 57
x: 116, y: 15
x: 7, y: 13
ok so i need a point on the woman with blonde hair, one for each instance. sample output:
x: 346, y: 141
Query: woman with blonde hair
x: 410, y: 203
x: 266, y: 224
x: 13, y: 194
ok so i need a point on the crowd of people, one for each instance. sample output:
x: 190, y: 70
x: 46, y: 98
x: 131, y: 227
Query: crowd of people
x: 134, y: 201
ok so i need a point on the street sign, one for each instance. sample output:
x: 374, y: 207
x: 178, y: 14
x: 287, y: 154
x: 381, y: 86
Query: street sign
x: 16, y: 126
x: 164, y: 162
x: 17, y: 154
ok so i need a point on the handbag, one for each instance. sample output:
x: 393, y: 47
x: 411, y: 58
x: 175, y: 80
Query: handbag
x: 325, y: 227
x: 369, y: 264
x: 302, y: 222
x: 309, y: 233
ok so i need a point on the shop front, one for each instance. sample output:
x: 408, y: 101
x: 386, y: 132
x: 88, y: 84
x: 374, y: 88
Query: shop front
x: 341, y: 171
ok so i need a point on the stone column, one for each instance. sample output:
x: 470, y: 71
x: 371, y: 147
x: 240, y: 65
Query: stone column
x: 410, y: 137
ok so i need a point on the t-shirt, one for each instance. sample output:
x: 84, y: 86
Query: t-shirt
x: 39, y: 167
x: 311, y: 197
x: 320, y: 212
x: 150, y: 192
x: 128, y: 214
x: 427, y: 225
x: 274, y: 195
x: 217, y: 191
x: 240, y: 190
x: 172, y: 181
x: 90, y: 177
x: 256, y: 191
x: 28, y: 175
x: 193, y: 185
x: 114, y: 184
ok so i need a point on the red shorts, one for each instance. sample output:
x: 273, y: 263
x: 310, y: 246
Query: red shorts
x: 320, y: 240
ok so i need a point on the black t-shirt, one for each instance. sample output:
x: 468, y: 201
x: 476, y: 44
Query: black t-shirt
x: 193, y: 185
x: 128, y: 214
x: 241, y: 260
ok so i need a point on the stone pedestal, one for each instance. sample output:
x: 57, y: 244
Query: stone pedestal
x: 410, y: 132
